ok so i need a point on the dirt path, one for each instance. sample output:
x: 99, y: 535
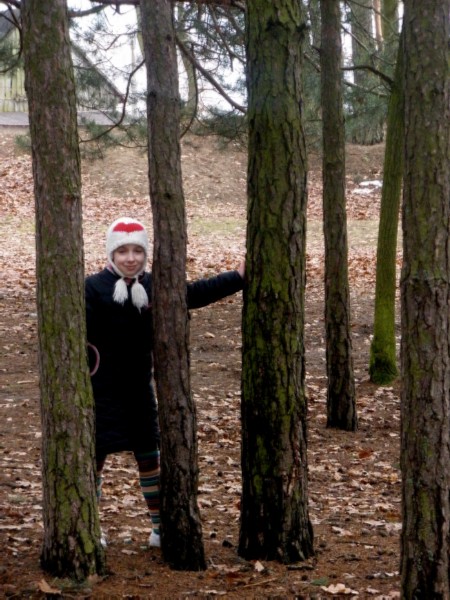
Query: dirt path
x: 354, y: 484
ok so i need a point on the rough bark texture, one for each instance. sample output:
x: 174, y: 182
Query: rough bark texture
x: 71, y: 545
x: 425, y: 439
x: 341, y: 401
x: 383, y: 356
x: 182, y: 544
x: 274, y: 510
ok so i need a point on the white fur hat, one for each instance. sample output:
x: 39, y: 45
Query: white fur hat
x: 126, y: 230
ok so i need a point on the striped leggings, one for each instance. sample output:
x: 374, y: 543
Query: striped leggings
x: 148, y: 466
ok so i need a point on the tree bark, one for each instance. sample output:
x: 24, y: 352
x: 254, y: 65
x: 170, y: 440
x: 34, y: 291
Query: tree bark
x: 71, y: 545
x: 425, y: 437
x: 274, y: 510
x: 341, y: 400
x: 383, y: 352
x: 181, y: 532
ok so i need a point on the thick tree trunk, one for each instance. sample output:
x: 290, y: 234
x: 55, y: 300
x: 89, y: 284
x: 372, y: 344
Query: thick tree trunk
x: 425, y: 291
x: 341, y: 401
x: 383, y: 360
x: 182, y: 544
x: 71, y: 529
x: 274, y: 511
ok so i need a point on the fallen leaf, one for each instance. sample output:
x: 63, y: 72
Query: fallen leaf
x: 47, y: 589
x: 339, y: 588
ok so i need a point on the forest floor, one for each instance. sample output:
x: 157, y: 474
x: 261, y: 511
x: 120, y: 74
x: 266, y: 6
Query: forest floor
x: 354, y: 478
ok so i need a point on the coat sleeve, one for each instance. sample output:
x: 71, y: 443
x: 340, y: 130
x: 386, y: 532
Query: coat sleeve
x: 206, y: 291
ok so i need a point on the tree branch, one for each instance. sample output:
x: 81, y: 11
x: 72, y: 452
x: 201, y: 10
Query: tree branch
x: 194, y: 112
x: 124, y: 104
x: 209, y: 77
x: 373, y: 70
x: 219, y: 31
x: 234, y: 3
x: 117, y: 3
x: 73, y: 14
x: 365, y: 90
x: 11, y: 3
x: 349, y: 83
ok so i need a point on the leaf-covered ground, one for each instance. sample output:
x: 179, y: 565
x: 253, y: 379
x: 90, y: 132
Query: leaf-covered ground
x: 354, y: 484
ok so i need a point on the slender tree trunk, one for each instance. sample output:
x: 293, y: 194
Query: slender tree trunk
x: 383, y: 360
x: 389, y: 18
x: 365, y: 125
x: 425, y: 292
x: 71, y: 545
x: 390, y: 28
x: 314, y: 18
x: 181, y: 532
x: 341, y: 401
x: 378, y: 23
x: 274, y: 510
x: 189, y: 111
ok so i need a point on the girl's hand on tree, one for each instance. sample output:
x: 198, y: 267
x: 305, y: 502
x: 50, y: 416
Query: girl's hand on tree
x: 241, y: 269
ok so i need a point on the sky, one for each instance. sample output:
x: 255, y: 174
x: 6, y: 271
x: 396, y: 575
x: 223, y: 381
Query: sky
x: 124, y: 52
x: 127, y: 54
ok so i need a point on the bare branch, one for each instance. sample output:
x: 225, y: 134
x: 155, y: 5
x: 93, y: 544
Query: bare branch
x: 233, y: 21
x: 373, y: 70
x: 218, y: 29
x: 11, y: 4
x: 365, y: 90
x: 12, y: 16
x: 194, y: 112
x: 349, y: 83
x: 74, y: 14
x: 118, y: 3
x: 124, y: 104
x: 209, y: 77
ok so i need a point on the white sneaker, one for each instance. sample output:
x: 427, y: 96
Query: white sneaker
x: 154, y: 541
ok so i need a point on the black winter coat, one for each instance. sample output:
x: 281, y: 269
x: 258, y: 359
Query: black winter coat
x: 125, y: 404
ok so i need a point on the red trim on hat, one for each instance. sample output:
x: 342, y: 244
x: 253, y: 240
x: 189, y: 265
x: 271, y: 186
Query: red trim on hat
x: 128, y: 227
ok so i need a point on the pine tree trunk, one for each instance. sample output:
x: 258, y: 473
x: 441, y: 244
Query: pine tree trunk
x: 314, y: 19
x: 182, y: 544
x: 341, y: 401
x: 274, y: 510
x: 71, y: 545
x: 365, y: 126
x: 383, y: 361
x: 389, y: 20
x: 189, y: 111
x: 425, y: 293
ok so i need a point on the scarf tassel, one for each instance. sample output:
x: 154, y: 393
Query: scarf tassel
x: 138, y: 294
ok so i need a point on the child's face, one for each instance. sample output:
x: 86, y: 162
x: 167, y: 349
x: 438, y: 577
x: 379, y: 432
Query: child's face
x: 129, y: 259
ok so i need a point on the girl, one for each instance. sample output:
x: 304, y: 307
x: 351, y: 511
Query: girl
x: 119, y: 331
